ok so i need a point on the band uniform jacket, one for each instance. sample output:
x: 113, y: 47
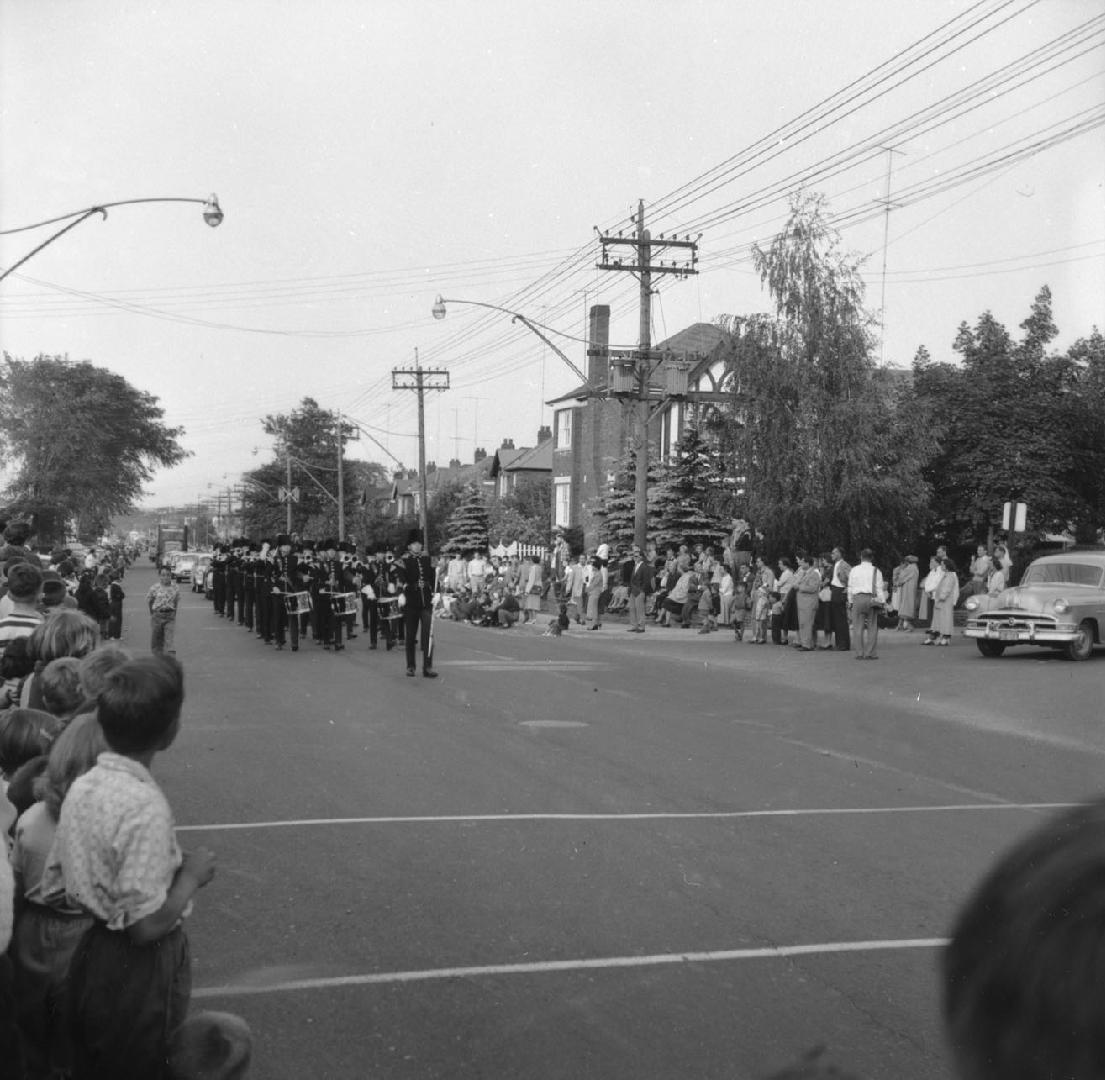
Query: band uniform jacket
x: 418, y: 579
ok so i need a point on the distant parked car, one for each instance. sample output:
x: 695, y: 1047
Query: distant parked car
x: 182, y: 563
x: 200, y: 571
x: 1060, y: 603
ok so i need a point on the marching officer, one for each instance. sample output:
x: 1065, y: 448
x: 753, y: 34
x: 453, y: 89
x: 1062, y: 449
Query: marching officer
x: 419, y: 581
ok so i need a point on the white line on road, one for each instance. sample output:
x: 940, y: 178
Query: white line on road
x: 543, y: 967
x: 661, y: 815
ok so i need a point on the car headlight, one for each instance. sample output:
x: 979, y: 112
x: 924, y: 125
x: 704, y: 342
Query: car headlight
x: 1061, y: 606
x: 972, y: 604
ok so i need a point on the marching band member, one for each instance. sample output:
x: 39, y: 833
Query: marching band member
x: 329, y: 576
x: 419, y: 585
x: 285, y: 580
x: 383, y: 609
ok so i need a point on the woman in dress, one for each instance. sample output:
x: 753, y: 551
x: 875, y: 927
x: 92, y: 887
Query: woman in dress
x: 943, y: 606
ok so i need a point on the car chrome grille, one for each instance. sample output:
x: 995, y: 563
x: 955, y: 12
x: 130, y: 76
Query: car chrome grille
x: 1020, y: 621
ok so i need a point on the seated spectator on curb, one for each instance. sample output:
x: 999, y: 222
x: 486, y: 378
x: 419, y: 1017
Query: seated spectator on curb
x: 1024, y: 973
x: 508, y: 610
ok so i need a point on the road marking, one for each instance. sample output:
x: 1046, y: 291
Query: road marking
x: 659, y: 815
x: 544, y: 967
x: 553, y: 723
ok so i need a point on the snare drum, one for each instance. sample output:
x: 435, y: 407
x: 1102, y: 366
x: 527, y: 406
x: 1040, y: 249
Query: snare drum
x: 344, y: 603
x: 388, y: 607
x: 297, y: 603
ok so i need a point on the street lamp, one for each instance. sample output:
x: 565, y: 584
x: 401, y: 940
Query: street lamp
x: 212, y: 215
x: 438, y: 311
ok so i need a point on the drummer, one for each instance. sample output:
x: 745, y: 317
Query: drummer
x: 330, y: 578
x: 285, y: 582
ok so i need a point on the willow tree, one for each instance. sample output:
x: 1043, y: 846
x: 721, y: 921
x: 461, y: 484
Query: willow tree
x: 79, y: 443
x: 811, y: 433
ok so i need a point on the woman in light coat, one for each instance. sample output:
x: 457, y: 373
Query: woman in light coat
x: 943, y: 607
x: 905, y: 581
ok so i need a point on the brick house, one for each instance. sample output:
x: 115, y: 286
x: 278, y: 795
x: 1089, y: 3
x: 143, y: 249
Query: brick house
x: 593, y: 428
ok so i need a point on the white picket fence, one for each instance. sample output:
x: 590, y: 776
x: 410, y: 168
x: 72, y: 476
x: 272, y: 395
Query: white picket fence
x: 522, y: 551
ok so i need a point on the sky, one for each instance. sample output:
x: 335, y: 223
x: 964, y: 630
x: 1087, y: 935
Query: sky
x: 371, y: 155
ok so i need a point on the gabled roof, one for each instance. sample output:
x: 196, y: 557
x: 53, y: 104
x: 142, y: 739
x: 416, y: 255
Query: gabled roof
x: 698, y: 338
x: 505, y: 458
x: 535, y: 459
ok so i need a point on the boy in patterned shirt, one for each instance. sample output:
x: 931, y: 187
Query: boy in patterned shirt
x: 115, y: 855
x: 163, y: 599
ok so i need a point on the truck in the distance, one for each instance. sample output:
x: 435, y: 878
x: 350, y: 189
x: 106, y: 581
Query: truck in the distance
x: 170, y: 538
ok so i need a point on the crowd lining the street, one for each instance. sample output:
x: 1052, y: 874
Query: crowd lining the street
x: 94, y: 957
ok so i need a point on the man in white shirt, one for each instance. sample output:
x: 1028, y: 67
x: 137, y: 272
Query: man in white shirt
x: 838, y: 593
x: 866, y: 594
x: 477, y: 571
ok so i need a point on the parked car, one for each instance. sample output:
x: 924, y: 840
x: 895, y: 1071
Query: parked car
x: 200, y: 571
x: 182, y: 563
x: 1060, y: 602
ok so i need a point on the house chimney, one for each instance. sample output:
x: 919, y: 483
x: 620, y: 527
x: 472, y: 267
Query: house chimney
x: 431, y: 466
x: 544, y: 433
x: 454, y: 463
x: 480, y: 454
x: 508, y: 444
x: 598, y: 338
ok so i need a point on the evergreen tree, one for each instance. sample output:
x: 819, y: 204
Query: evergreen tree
x: 616, y: 511
x: 467, y: 527
x: 679, y: 498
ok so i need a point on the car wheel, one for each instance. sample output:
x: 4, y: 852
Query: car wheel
x: 1082, y: 645
x: 989, y: 649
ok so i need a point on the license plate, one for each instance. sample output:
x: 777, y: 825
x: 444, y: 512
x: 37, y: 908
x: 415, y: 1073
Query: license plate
x: 1007, y: 635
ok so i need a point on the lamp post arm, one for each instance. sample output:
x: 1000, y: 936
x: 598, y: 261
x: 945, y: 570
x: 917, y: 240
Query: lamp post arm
x: 518, y: 317
x: 212, y: 214
x: 46, y: 243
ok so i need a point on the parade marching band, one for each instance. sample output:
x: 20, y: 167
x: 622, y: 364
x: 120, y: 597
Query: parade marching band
x: 289, y: 590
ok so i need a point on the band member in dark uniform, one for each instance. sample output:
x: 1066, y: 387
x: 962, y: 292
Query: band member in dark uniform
x: 385, y: 584
x: 249, y: 583
x: 419, y: 584
x: 285, y: 580
x: 330, y: 582
x: 262, y: 585
x: 350, y: 561
x: 233, y: 573
x: 218, y: 577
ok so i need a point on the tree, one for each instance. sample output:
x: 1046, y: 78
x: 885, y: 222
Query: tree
x: 616, y: 511
x: 811, y: 435
x: 81, y: 441
x: 523, y: 514
x: 681, y: 493
x: 467, y: 527
x: 1012, y: 424
x: 306, y: 437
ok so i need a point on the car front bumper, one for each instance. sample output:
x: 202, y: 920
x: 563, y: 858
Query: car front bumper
x: 1021, y: 633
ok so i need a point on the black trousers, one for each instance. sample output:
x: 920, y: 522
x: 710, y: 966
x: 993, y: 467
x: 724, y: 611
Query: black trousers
x: 284, y: 624
x: 414, y: 619
x: 838, y: 612
x: 218, y: 591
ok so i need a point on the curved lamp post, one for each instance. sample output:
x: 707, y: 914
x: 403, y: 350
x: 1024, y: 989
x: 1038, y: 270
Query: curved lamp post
x: 212, y: 215
x: 439, y: 313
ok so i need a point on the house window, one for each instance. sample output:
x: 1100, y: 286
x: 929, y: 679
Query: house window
x: 562, y: 496
x: 563, y: 429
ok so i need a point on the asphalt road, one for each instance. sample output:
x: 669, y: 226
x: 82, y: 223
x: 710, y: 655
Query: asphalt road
x: 604, y: 855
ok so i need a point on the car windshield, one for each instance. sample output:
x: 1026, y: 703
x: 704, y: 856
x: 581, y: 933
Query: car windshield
x: 1063, y: 573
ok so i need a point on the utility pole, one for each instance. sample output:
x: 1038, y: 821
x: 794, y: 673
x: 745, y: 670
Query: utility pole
x: 420, y: 379
x: 643, y: 268
x: 890, y: 152
x: 288, y: 489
